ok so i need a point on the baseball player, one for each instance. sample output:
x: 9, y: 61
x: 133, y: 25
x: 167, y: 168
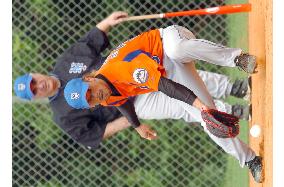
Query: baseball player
x: 148, y: 63
x: 89, y: 127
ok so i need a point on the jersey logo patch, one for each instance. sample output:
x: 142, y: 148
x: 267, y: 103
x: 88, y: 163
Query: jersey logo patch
x: 140, y: 75
x: 77, y: 67
x: 75, y: 95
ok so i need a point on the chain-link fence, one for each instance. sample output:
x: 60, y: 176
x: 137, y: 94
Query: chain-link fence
x: 44, y: 156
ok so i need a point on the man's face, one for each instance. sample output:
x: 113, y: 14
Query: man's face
x: 98, y: 92
x: 43, y: 86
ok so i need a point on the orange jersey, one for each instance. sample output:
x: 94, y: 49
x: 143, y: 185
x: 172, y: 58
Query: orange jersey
x: 135, y: 67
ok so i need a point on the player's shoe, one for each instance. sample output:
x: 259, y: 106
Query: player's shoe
x: 246, y: 62
x: 256, y: 168
x: 241, y: 89
x: 241, y: 111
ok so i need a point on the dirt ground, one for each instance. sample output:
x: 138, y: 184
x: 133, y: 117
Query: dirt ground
x: 260, y: 44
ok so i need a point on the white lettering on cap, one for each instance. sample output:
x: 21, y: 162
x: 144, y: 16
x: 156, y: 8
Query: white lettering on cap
x: 75, y: 95
x: 21, y: 87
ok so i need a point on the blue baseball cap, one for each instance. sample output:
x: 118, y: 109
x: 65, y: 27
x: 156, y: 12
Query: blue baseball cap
x: 22, y: 87
x: 75, y: 93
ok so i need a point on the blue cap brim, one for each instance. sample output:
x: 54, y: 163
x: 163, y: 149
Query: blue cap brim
x: 22, y: 87
x: 28, y: 85
x: 85, y: 87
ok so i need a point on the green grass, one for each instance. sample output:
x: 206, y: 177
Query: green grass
x: 235, y: 175
x: 237, y: 25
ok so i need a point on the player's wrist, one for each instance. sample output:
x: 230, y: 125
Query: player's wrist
x: 198, y: 104
x: 104, y: 25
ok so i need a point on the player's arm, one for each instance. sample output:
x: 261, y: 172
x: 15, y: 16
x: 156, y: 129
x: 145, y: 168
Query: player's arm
x: 180, y: 92
x: 116, y: 126
x: 91, y: 131
x: 127, y: 109
x: 112, y: 20
x: 96, y: 38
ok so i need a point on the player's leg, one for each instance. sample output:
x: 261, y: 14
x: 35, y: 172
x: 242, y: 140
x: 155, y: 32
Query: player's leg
x: 190, y: 78
x: 181, y: 45
x: 219, y: 86
x: 157, y: 105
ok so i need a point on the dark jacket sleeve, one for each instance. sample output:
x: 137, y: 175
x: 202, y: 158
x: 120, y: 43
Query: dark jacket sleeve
x: 128, y: 110
x: 96, y: 39
x: 85, y: 130
x: 176, y: 90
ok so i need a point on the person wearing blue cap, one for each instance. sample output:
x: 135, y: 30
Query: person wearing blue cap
x: 87, y: 127
x: 22, y: 87
x: 34, y: 85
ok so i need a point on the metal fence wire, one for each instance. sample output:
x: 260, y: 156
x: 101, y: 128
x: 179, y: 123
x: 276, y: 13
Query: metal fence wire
x: 44, y: 156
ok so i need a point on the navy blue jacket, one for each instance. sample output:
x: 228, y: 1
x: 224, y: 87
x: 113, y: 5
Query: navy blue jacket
x: 85, y: 126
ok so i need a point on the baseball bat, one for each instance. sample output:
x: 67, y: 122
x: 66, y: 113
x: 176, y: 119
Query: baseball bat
x: 228, y: 9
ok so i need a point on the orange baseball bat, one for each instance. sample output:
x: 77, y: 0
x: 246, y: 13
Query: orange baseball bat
x: 228, y: 9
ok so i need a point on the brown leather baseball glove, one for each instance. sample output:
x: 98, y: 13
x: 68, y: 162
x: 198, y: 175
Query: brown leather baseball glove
x: 221, y: 124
